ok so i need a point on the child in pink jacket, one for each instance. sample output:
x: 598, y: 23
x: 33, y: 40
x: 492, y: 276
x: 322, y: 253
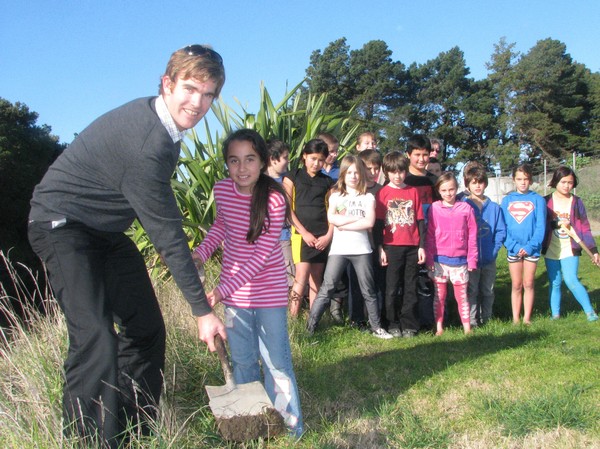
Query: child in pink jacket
x: 451, y: 249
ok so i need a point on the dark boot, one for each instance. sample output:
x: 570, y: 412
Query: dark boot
x: 335, y: 309
x: 311, y: 325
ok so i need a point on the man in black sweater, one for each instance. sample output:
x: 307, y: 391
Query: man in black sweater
x: 119, y: 168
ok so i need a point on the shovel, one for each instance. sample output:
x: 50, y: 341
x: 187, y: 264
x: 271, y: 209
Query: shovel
x: 571, y: 233
x: 242, y: 411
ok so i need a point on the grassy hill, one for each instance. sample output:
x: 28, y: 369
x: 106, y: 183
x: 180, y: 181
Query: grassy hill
x: 589, y: 191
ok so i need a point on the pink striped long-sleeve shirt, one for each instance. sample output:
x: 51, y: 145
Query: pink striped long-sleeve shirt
x: 252, y: 275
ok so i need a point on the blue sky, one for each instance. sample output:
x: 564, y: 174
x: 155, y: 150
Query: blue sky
x: 71, y: 61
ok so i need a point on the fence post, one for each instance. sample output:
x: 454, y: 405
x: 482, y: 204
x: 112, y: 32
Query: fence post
x: 574, y: 169
x: 545, y: 176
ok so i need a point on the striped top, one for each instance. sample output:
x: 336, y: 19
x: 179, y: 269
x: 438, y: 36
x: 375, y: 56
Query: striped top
x: 252, y: 275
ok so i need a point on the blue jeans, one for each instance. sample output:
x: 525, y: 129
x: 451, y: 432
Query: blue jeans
x: 255, y: 334
x: 356, y: 304
x: 566, y: 269
x: 336, y: 265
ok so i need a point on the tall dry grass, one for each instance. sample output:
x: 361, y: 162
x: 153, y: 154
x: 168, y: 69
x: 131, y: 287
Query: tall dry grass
x: 32, y: 350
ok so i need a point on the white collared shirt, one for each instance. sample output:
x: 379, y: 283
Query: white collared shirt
x: 165, y: 118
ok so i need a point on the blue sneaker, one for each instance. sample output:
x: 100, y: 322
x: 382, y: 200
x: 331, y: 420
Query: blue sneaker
x: 592, y: 316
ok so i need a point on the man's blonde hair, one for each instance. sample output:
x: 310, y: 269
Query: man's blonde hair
x: 198, y: 62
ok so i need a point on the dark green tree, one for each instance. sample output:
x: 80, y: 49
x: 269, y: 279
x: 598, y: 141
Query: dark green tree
x: 366, y: 79
x: 479, y: 124
x: 551, y: 111
x: 26, y: 152
x: 503, y: 149
x: 375, y: 77
x: 329, y: 72
x: 593, y: 147
x: 541, y: 104
x: 437, y: 91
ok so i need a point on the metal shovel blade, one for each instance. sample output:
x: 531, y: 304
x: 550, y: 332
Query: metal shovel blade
x: 238, y: 400
x: 243, y: 411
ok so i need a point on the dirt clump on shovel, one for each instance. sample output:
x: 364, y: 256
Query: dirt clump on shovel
x: 251, y: 427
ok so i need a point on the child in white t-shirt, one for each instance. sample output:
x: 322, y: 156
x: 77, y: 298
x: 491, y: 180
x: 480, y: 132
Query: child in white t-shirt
x: 352, y: 213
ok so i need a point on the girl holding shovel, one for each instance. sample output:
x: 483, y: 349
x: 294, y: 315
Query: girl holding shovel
x: 251, y: 211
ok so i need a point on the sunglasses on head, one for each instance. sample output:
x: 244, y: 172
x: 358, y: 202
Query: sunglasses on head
x: 201, y: 50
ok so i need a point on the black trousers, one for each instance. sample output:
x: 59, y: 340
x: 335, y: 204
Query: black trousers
x: 401, y: 304
x: 113, y: 369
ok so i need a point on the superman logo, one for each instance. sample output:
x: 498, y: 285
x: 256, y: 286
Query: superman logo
x: 519, y: 210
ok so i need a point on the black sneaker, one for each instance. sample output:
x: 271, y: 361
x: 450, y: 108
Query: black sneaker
x: 362, y: 326
x: 409, y: 333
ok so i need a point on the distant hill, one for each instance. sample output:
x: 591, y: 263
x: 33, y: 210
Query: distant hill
x: 589, y: 191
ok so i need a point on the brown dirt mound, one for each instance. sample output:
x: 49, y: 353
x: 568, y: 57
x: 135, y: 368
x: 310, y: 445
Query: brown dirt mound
x: 251, y: 427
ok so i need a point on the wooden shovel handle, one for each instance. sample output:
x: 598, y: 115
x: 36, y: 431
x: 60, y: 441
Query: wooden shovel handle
x: 571, y: 233
x: 224, y: 358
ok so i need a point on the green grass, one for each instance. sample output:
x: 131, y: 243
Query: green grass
x: 562, y: 405
x: 504, y: 386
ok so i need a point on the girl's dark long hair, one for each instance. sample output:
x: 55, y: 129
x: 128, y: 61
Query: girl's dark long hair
x: 259, y: 206
x: 560, y: 173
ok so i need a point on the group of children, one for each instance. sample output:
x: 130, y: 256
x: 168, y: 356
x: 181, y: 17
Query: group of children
x: 422, y: 224
x: 416, y: 223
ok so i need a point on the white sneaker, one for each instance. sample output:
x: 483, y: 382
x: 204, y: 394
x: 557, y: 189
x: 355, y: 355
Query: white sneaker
x: 395, y: 332
x: 382, y: 333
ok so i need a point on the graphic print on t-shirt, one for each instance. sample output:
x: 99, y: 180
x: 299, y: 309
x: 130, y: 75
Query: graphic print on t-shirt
x: 519, y: 210
x: 356, y: 206
x: 399, y: 213
x: 560, y: 231
x: 351, y: 206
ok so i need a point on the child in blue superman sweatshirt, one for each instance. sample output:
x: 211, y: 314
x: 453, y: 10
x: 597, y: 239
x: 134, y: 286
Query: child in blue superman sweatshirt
x: 525, y: 216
